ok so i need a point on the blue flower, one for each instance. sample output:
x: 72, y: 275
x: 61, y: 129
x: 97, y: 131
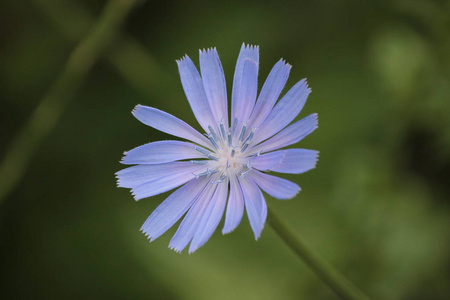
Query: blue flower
x: 224, y: 170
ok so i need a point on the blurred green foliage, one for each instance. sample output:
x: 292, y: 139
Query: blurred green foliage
x: 376, y: 207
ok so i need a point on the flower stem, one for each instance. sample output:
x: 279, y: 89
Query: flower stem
x: 330, y: 276
x: 130, y: 58
x: 51, y: 107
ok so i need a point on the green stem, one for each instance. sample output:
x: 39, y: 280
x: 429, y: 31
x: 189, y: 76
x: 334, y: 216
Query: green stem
x: 49, y: 110
x: 330, y: 276
x: 129, y: 57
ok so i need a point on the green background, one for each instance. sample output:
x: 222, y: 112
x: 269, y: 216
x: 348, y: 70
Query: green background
x: 376, y: 207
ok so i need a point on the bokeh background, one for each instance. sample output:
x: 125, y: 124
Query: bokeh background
x: 376, y: 207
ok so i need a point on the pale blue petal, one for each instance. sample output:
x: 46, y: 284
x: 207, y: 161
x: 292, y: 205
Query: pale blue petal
x: 235, y: 206
x: 245, y: 83
x: 275, y: 186
x: 161, y: 152
x: 134, y: 176
x: 195, y: 92
x: 167, y: 123
x: 211, y: 218
x: 214, y: 84
x: 270, y: 92
x: 290, y: 135
x: 284, y: 112
x: 255, y: 205
x: 294, y: 161
x: 191, y: 221
x: 163, y: 184
x: 172, y: 209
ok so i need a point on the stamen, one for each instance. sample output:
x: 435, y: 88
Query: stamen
x: 199, y: 162
x: 206, y: 173
x: 222, y: 130
x: 213, y: 171
x: 234, y: 126
x: 241, y: 137
x: 221, y: 179
x: 202, y: 151
x: 210, y: 156
x: 213, y: 141
x: 229, y: 138
x: 244, y: 173
x: 213, y: 133
x: 249, y: 167
x: 257, y: 154
x: 233, y: 152
x: 248, y: 140
x: 207, y: 153
x: 250, y: 137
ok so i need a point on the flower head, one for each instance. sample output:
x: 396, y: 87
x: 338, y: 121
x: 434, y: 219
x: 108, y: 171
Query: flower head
x: 224, y: 170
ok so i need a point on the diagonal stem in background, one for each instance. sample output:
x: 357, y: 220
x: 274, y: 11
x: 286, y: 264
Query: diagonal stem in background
x: 49, y: 110
x: 130, y: 58
x: 329, y: 275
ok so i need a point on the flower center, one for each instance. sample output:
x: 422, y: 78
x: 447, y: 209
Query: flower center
x: 228, y: 156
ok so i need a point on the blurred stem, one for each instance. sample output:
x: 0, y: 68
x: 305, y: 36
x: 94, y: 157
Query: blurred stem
x: 128, y: 56
x: 49, y: 110
x: 330, y: 276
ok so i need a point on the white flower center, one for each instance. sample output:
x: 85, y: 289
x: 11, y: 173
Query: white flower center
x: 228, y: 156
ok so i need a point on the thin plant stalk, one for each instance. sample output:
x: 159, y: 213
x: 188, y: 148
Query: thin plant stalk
x: 130, y: 58
x: 329, y: 275
x: 49, y: 110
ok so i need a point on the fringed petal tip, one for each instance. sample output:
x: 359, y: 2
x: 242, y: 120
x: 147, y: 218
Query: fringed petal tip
x: 175, y: 248
x: 316, y: 157
x: 293, y: 195
x: 250, y: 47
x: 133, y: 111
x: 283, y: 61
x: 316, y: 119
x: 224, y: 232
x: 208, y: 50
x: 118, y: 184
x: 305, y: 80
x: 147, y: 236
x: 258, y: 234
x: 146, y: 231
x: 135, y: 196
x: 183, y: 58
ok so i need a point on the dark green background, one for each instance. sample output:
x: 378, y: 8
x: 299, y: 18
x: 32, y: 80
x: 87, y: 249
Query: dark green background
x: 376, y: 207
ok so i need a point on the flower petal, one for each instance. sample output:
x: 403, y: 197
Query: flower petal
x: 245, y: 83
x: 195, y: 93
x: 163, y: 184
x: 134, y: 176
x: 214, y: 84
x: 284, y: 112
x: 270, y: 92
x: 294, y: 161
x: 172, y: 209
x: 275, y: 186
x: 235, y: 206
x: 161, y: 152
x: 255, y: 205
x: 167, y: 123
x: 290, y: 135
x: 191, y: 221
x: 211, y: 217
